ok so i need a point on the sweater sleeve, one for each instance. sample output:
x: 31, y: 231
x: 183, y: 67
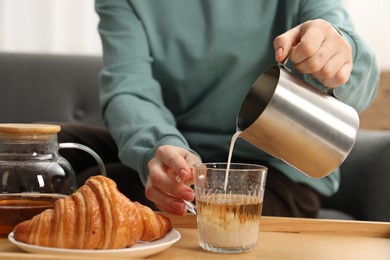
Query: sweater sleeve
x: 360, y: 90
x: 131, y: 99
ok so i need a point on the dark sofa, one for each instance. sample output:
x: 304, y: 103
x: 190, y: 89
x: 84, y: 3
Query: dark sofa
x: 63, y: 88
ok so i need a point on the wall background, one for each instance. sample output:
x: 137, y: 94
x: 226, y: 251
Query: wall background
x: 49, y: 26
x: 70, y: 26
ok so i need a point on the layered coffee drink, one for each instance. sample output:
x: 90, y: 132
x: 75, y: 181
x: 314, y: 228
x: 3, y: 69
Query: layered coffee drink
x: 229, y: 202
x: 229, y: 221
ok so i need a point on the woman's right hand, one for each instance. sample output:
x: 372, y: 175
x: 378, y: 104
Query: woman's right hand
x: 170, y: 173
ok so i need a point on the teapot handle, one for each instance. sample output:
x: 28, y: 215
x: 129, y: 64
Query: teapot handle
x: 88, y: 150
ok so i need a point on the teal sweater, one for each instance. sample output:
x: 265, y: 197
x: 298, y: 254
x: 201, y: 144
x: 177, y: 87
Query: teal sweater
x: 176, y: 72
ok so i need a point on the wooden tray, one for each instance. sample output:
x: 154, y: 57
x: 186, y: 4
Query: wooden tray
x: 280, y: 238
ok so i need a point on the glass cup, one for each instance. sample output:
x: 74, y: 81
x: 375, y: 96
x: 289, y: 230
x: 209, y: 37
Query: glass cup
x: 229, y: 201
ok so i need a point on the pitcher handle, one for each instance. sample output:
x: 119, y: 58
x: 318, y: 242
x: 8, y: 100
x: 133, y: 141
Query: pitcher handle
x: 284, y: 63
x: 88, y: 150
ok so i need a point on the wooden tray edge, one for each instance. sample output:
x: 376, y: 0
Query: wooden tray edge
x: 306, y: 225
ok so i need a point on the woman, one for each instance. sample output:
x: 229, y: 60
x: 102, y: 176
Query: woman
x: 177, y: 71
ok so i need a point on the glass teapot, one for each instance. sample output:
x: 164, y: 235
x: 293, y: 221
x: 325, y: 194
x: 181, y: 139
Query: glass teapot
x: 32, y: 173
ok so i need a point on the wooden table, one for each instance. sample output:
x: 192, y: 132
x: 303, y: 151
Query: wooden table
x: 280, y: 238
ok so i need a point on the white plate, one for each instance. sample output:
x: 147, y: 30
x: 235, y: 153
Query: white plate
x: 139, y: 250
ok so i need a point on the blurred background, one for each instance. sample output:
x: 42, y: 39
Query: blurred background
x: 69, y: 26
x: 49, y: 26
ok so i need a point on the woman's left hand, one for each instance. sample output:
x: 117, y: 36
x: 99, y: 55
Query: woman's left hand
x: 317, y: 49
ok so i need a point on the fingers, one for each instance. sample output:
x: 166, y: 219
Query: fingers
x: 284, y: 43
x: 341, y: 77
x: 174, y: 160
x: 169, y: 165
x: 164, y: 201
x: 167, y: 193
x: 316, y: 49
x: 158, y: 179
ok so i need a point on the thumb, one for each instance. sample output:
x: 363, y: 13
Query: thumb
x: 285, y: 42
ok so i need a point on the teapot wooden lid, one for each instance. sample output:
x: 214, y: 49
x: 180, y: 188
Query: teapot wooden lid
x: 29, y: 129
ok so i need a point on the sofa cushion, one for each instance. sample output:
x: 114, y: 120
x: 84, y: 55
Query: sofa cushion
x: 43, y: 87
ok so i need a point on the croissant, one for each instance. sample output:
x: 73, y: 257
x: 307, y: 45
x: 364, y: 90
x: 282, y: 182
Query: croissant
x: 96, y: 216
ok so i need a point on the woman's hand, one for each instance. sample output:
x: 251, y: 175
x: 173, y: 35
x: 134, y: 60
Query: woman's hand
x: 170, y: 173
x: 317, y: 49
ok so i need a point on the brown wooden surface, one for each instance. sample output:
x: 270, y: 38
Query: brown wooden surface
x: 377, y: 116
x: 280, y: 238
x: 29, y: 128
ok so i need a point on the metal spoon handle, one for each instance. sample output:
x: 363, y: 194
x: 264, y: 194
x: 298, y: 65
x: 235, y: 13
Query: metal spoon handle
x: 190, y: 206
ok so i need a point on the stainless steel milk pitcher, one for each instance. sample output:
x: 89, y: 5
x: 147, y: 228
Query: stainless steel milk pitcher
x: 291, y: 120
